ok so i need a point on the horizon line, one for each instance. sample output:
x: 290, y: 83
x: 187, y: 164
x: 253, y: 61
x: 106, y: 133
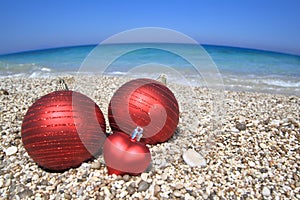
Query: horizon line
x: 90, y: 45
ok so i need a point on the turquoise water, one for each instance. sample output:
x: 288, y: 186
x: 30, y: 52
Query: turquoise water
x: 241, y: 69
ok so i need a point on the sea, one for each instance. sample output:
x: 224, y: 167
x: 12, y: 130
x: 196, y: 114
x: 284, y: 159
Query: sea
x: 226, y: 67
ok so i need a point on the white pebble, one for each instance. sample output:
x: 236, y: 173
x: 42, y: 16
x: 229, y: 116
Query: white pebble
x: 266, y: 191
x: 79, y: 192
x: 194, y: 159
x: 164, y: 177
x: 95, y: 165
x: 123, y: 194
x: 89, y: 188
x: 235, y: 130
x: 106, y: 191
x: 275, y: 123
x: 144, y: 176
x: 187, y: 196
x: 176, y: 193
x: 118, y: 185
x: 35, y: 177
x: 251, y: 164
x: 263, y: 146
x: 160, y: 182
x: 86, y: 165
x: 11, y: 150
x: 179, y: 186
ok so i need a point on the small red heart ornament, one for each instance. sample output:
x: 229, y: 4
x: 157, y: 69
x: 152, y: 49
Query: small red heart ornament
x: 124, y: 155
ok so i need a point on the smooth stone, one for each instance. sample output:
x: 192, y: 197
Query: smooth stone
x: 235, y: 130
x: 49, y: 188
x: 263, y: 146
x: 275, y: 123
x: 118, y: 185
x: 156, y: 189
x: 160, y: 182
x: 266, y: 121
x: 11, y: 150
x: 255, y: 122
x: 132, y: 184
x: 264, y: 175
x: 251, y: 163
x: 96, y: 165
x: 35, y: 177
x: 79, y: 192
x: 164, y: 177
x: 266, y: 191
x: 106, y: 191
x: 194, y: 159
x: 67, y: 196
x: 126, y: 177
x: 187, y: 196
x: 143, y: 186
x: 25, y: 193
x: 19, y: 188
x: 144, y: 176
x: 179, y: 186
x: 12, y: 159
x: 263, y: 170
x: 3, y: 92
x: 44, y: 182
x: 123, y: 194
x: 86, y: 165
x: 130, y: 190
x: 7, y: 183
x: 249, y: 125
x: 7, y: 176
x: 241, y: 126
x: 177, y: 193
x: 293, y: 121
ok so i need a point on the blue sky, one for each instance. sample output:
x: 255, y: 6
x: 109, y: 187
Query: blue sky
x: 260, y: 24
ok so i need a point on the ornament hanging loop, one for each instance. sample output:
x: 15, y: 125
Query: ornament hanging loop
x: 137, y: 133
x: 61, y: 85
x: 162, y: 78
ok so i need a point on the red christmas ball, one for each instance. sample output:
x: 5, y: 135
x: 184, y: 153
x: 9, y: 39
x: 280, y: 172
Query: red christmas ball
x: 124, y: 155
x: 146, y: 103
x: 62, y: 129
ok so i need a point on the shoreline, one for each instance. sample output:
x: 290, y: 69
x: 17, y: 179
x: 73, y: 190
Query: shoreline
x: 253, y: 153
x: 288, y: 91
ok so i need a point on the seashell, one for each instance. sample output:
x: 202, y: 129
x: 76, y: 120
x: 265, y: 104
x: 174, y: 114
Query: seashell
x: 194, y: 159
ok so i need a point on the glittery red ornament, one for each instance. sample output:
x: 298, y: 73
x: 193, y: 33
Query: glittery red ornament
x: 124, y: 155
x: 62, y: 129
x: 146, y: 103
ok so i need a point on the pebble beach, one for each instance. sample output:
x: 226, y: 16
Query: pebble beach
x: 253, y: 153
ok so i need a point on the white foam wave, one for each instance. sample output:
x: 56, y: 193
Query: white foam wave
x: 34, y: 75
x: 117, y: 73
x: 45, y: 69
x: 281, y: 83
